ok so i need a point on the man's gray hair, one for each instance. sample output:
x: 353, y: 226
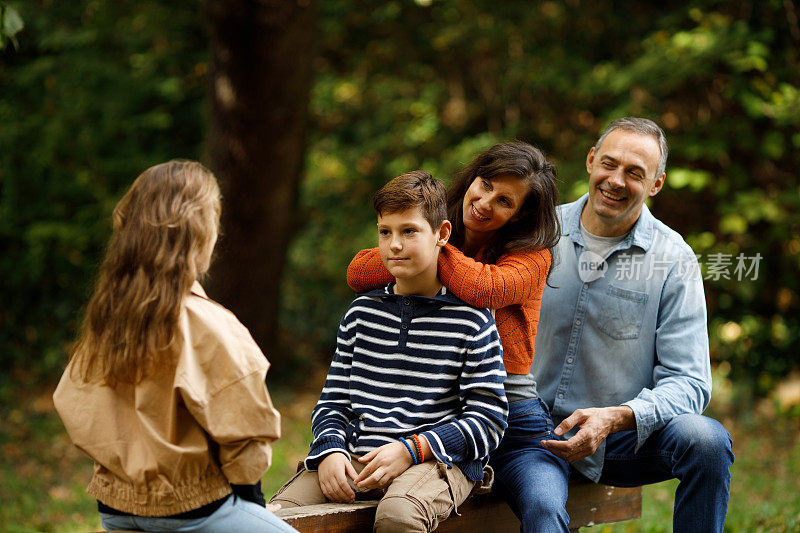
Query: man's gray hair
x: 643, y: 126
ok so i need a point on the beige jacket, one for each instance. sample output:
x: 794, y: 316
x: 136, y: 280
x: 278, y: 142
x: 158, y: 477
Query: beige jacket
x: 176, y: 442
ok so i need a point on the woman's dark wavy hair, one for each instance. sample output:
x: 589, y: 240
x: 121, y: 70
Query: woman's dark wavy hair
x: 536, y: 226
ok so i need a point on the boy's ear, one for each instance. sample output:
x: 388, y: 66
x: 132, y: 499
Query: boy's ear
x: 444, y: 233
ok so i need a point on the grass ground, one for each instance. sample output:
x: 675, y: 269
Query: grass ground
x: 44, y: 476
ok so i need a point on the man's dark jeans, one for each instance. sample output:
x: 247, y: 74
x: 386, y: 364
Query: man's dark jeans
x: 695, y: 449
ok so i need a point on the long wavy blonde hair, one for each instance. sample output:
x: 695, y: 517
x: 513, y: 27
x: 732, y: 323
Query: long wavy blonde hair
x: 164, y: 231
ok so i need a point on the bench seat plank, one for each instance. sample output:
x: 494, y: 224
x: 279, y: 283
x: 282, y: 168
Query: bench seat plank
x: 588, y: 504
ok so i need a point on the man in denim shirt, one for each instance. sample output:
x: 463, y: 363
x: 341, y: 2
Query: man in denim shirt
x: 622, y: 356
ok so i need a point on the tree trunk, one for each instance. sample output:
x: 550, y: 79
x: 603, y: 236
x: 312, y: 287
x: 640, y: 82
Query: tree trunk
x: 259, y: 85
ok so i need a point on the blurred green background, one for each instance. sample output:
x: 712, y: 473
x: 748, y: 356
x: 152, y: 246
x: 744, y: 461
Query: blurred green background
x: 93, y: 92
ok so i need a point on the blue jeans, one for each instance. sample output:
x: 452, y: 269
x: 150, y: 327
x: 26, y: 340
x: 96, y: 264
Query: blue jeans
x: 534, y: 480
x: 692, y: 448
x: 235, y: 514
x: 695, y: 449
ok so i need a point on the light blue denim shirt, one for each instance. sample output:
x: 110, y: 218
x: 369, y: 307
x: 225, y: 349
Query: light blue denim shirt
x: 627, y: 329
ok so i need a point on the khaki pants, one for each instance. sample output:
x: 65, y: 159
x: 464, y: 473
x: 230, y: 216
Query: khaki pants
x: 417, y: 500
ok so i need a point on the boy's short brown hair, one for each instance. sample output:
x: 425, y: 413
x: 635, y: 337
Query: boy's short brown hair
x: 413, y: 189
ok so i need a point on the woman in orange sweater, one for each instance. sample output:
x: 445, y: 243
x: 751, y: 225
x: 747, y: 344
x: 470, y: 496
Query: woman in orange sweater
x: 503, y: 210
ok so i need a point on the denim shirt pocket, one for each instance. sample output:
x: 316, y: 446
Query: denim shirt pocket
x: 622, y: 313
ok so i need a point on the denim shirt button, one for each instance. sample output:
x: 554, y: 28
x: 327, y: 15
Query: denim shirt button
x: 406, y: 301
x: 569, y: 359
x: 585, y: 285
x: 578, y: 322
x: 560, y: 394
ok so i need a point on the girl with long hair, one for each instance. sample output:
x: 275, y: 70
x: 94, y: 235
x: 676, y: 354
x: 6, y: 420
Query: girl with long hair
x: 165, y: 389
x: 502, y: 207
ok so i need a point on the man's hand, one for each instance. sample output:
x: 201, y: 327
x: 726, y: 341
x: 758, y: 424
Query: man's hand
x: 595, y: 425
x: 333, y: 472
x: 384, y: 464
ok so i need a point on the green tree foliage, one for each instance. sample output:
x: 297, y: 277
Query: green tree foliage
x: 10, y: 25
x: 95, y: 93
x: 428, y: 84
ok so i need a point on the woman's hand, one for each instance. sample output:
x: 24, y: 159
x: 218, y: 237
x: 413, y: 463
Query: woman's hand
x: 384, y: 464
x: 333, y: 472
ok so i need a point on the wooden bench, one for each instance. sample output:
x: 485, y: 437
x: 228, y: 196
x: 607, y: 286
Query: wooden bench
x: 588, y: 504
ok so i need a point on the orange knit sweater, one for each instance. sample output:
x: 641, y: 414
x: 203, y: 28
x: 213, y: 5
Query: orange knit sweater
x: 513, y: 287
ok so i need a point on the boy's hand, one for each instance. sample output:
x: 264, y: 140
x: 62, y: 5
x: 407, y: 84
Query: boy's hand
x: 385, y: 463
x: 333, y: 472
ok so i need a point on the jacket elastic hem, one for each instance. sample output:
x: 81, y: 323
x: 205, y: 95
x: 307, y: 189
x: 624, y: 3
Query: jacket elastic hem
x: 122, y: 496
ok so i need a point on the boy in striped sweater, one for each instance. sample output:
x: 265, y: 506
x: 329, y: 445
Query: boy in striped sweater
x: 414, y: 401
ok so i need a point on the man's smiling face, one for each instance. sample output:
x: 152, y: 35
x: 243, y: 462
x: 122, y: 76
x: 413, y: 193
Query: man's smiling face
x: 622, y: 174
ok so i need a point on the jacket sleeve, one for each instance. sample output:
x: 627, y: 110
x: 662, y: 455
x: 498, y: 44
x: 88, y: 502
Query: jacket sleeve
x: 516, y: 278
x: 366, y: 271
x: 221, y: 378
x: 241, y: 419
x: 333, y: 412
x: 484, y: 416
x: 682, y: 373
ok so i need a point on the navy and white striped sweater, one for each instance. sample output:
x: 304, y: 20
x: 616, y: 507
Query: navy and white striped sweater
x: 413, y: 364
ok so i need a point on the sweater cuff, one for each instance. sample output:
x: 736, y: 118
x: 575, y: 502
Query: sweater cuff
x: 447, y: 443
x: 321, y: 449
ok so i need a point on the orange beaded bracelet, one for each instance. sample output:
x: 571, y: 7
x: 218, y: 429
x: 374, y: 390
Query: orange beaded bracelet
x: 419, y: 448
